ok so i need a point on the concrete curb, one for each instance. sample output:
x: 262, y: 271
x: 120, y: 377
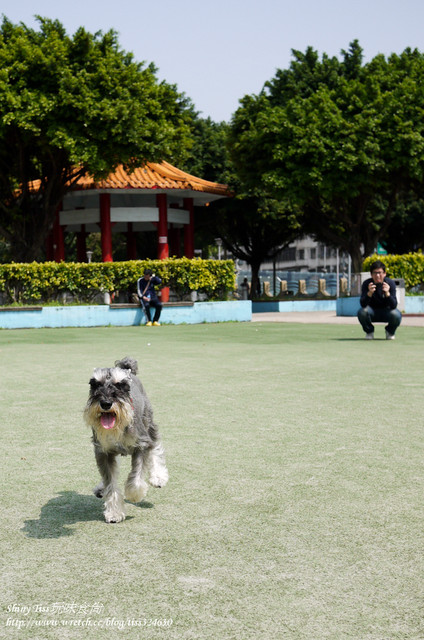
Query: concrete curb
x: 325, y: 317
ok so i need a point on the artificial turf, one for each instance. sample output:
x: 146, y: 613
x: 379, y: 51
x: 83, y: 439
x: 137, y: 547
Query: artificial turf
x: 294, y: 507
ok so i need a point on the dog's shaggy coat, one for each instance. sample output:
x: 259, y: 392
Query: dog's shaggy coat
x: 121, y: 417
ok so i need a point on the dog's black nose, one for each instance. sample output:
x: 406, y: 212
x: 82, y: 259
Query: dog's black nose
x: 105, y: 405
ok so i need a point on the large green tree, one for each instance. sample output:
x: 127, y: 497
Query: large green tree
x: 208, y: 156
x: 252, y: 225
x: 71, y: 105
x: 340, y: 139
x: 406, y: 231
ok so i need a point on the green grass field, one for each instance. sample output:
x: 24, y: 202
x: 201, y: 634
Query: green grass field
x: 295, y: 502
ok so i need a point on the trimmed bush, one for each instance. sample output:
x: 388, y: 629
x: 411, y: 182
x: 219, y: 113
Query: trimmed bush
x: 409, y: 266
x: 42, y: 282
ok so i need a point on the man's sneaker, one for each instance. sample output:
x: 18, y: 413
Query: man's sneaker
x: 369, y: 336
x: 148, y: 324
x: 389, y: 336
x: 156, y: 324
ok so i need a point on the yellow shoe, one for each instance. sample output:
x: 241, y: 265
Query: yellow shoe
x: 148, y: 324
x: 156, y: 324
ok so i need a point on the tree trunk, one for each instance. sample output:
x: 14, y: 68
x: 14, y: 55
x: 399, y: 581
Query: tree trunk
x: 28, y: 245
x: 255, y: 291
x: 357, y: 259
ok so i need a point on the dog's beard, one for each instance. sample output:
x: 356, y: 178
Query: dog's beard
x: 114, y: 421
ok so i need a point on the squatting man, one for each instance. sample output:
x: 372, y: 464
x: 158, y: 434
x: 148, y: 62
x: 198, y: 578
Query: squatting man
x: 378, y: 302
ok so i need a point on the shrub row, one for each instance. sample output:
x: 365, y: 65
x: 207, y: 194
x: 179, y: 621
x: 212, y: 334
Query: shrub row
x: 42, y: 282
x: 409, y: 266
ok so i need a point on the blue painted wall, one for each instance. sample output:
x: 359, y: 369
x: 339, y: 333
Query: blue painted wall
x: 294, y: 305
x: 350, y: 306
x: 347, y: 306
x: 236, y: 311
x: 103, y: 315
x: 414, y: 304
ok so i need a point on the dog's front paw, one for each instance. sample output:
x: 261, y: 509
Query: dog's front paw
x: 159, y: 479
x: 114, y: 506
x: 135, y: 492
x: 114, y: 516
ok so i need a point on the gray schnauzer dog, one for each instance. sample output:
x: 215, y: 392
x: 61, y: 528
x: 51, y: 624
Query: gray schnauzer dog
x: 121, y: 418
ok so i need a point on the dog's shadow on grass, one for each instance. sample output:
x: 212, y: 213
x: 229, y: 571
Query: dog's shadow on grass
x: 66, y: 509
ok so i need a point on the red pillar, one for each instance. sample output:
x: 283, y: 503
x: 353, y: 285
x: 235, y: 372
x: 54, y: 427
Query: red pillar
x: 106, y: 227
x: 81, y: 245
x: 58, y: 238
x: 131, y: 244
x: 189, y: 229
x: 163, y: 248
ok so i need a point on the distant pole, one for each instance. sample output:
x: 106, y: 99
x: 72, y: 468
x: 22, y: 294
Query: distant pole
x: 337, y: 274
x: 349, y: 272
x: 219, y: 244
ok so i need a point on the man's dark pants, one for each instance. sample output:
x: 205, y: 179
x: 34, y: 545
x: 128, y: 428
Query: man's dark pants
x: 367, y: 315
x: 158, y: 309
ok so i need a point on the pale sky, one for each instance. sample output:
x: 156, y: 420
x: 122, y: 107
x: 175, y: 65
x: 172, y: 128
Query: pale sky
x: 216, y: 52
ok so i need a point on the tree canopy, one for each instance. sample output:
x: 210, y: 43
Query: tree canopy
x: 71, y: 105
x: 341, y: 140
x: 208, y: 156
x: 252, y: 225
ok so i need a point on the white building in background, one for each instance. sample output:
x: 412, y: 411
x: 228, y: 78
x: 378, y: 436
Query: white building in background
x: 306, y: 254
x: 304, y: 260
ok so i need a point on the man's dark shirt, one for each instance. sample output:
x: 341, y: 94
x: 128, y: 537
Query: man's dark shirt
x: 150, y: 291
x: 378, y: 300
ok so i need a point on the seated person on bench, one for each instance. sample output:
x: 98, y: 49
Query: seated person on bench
x: 148, y: 298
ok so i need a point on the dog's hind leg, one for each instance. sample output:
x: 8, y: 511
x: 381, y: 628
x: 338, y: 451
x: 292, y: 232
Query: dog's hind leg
x: 99, y: 490
x: 136, y: 487
x: 158, y: 473
x: 108, y: 488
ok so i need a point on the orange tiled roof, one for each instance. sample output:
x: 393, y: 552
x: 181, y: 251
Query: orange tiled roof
x: 153, y: 176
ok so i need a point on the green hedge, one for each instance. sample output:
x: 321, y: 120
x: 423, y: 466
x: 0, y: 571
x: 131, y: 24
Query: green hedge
x: 42, y: 282
x: 409, y: 266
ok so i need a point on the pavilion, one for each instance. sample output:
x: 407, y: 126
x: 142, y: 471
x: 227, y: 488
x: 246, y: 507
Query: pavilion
x: 154, y: 197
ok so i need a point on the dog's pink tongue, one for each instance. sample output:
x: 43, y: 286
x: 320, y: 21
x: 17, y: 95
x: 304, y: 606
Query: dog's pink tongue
x: 107, y: 420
